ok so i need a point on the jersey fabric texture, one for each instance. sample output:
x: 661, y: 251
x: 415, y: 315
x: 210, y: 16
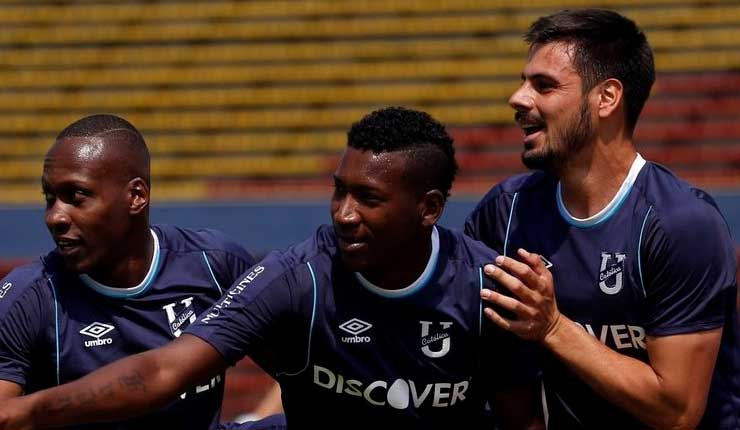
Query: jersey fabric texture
x: 56, y: 326
x: 271, y: 422
x: 657, y: 261
x: 348, y: 354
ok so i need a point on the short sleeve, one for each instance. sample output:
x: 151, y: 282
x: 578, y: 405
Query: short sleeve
x: 22, y: 321
x: 688, y: 271
x: 226, y: 259
x: 244, y: 320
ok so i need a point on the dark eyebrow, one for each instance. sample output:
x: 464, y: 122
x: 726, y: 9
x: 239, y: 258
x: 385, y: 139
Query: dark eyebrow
x: 545, y: 76
x: 356, y: 187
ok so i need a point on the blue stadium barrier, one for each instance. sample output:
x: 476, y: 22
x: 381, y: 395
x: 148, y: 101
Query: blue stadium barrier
x: 259, y: 226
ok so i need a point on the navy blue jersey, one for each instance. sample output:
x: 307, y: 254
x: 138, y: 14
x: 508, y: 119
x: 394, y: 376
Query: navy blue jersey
x: 56, y: 326
x: 658, y: 260
x: 348, y: 354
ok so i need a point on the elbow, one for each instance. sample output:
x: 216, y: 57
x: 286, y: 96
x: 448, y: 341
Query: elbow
x: 683, y: 419
x: 684, y: 422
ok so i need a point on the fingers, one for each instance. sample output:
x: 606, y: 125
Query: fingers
x: 531, y: 271
x: 532, y: 309
x: 532, y: 260
x: 497, y: 319
x: 521, y: 270
x: 520, y: 328
x: 507, y: 303
x: 510, y: 282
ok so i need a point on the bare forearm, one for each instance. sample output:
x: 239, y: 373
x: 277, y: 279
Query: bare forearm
x: 627, y: 382
x: 120, y: 390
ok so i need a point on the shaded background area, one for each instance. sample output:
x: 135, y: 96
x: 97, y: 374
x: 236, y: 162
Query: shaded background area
x: 245, y: 104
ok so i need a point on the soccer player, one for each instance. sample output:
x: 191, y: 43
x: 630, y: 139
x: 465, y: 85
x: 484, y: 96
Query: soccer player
x: 631, y: 291
x: 114, y: 285
x: 374, y: 322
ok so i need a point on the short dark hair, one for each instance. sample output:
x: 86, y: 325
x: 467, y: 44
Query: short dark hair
x: 119, y: 133
x: 430, y: 153
x: 95, y: 125
x: 606, y: 45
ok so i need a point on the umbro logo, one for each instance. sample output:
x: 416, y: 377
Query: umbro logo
x: 548, y: 264
x: 97, y: 330
x: 355, y: 326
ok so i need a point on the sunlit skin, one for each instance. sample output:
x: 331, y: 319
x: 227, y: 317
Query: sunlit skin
x: 379, y: 219
x: 551, y: 108
x: 90, y: 210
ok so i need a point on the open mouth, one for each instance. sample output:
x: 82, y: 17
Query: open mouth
x: 67, y: 245
x: 530, y: 129
x: 349, y: 244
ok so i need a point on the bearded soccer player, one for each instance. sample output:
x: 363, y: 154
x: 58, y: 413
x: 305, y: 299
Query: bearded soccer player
x: 373, y: 322
x: 622, y: 272
x: 114, y: 285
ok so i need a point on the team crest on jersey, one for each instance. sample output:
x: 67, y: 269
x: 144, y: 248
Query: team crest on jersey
x: 437, y: 344
x: 611, y: 272
x: 180, y: 315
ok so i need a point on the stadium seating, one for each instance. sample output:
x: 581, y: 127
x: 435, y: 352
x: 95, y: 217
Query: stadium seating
x: 247, y: 99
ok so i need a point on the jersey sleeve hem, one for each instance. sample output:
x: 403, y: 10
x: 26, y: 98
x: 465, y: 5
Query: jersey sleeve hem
x: 684, y: 329
x: 204, y: 337
x: 16, y: 379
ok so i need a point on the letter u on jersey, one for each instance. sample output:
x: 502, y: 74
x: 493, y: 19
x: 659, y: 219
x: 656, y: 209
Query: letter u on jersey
x: 611, y: 272
x: 429, y: 342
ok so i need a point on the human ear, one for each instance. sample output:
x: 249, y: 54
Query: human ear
x: 611, y: 94
x: 432, y: 205
x: 138, y: 191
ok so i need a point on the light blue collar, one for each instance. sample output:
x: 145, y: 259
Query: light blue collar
x: 611, y: 208
x: 131, y: 291
x: 419, y: 283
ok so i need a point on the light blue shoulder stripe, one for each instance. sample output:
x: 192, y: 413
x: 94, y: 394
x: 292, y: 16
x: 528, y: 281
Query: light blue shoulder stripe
x: 480, y: 302
x: 639, y: 251
x: 508, y: 222
x: 56, y: 327
x: 310, y: 332
x: 205, y: 257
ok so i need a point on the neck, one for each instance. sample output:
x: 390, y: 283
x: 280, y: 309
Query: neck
x: 135, y: 258
x: 405, y: 266
x: 591, y: 178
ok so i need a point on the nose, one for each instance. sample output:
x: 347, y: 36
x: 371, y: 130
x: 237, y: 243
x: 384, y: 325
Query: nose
x: 57, y: 219
x: 345, y: 211
x: 522, y: 99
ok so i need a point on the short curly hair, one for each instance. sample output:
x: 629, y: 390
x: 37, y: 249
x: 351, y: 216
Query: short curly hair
x: 430, y: 152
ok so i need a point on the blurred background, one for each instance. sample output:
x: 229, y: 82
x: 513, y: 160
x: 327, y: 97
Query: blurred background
x: 245, y: 104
